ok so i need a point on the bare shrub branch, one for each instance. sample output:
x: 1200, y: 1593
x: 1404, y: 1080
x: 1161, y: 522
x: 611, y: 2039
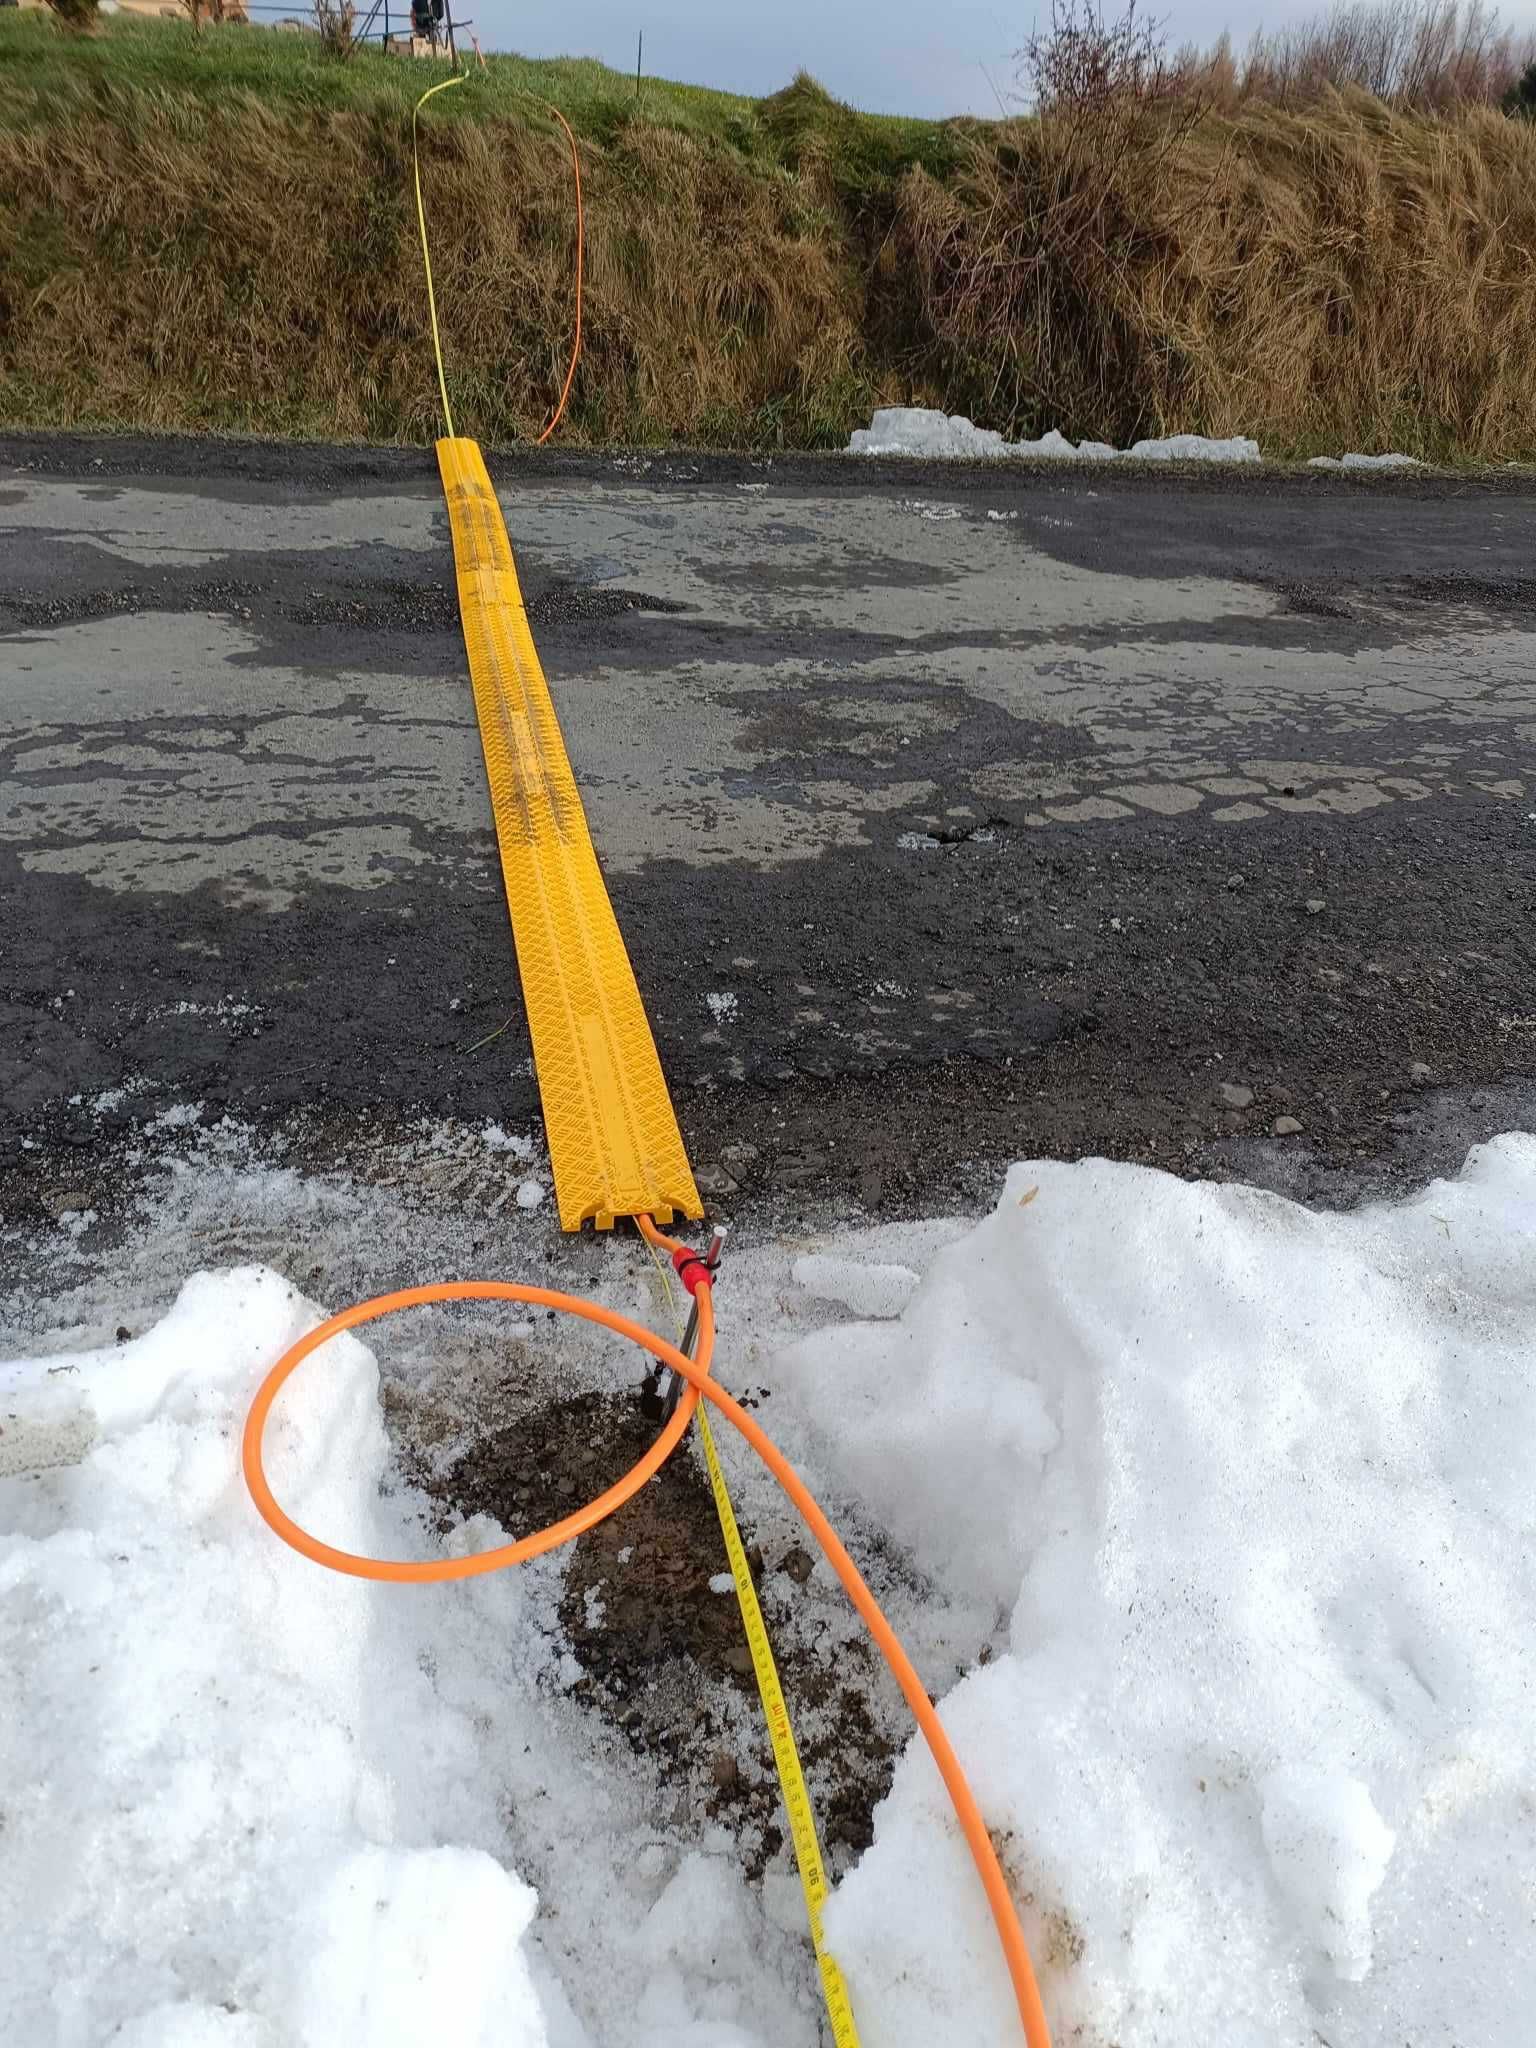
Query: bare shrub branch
x: 1431, y: 55
x: 336, y: 23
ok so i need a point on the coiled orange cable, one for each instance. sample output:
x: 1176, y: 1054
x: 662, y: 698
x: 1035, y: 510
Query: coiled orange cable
x: 696, y: 1372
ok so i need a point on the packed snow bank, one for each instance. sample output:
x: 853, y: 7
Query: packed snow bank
x: 1256, y: 1485
x: 920, y: 431
x: 250, y: 1804
x: 198, y: 1804
x: 1250, y: 1487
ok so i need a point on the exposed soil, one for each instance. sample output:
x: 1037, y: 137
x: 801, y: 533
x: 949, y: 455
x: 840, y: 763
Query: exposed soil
x: 656, y: 1642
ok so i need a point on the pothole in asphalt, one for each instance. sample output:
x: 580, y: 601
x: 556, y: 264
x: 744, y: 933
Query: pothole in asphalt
x: 559, y: 601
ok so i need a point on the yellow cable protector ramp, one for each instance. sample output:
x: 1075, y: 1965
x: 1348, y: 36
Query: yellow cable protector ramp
x: 613, y: 1137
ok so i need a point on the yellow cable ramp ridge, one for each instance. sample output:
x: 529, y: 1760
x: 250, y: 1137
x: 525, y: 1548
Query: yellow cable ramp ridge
x: 613, y: 1138
x: 616, y: 1151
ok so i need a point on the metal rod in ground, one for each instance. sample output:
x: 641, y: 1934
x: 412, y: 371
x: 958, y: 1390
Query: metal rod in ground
x: 639, y: 53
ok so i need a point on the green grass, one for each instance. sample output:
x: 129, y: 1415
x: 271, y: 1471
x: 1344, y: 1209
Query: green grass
x: 45, y: 73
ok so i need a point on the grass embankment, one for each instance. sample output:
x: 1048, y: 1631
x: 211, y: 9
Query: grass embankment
x: 216, y: 230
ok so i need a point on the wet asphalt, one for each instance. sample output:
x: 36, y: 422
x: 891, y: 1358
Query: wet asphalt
x: 952, y: 815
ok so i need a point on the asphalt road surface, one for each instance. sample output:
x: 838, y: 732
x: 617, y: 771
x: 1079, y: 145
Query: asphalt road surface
x: 952, y: 815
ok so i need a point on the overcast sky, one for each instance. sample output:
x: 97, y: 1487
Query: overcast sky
x: 895, y: 56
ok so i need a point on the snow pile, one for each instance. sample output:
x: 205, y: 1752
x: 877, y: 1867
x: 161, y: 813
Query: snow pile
x: 251, y: 1804
x: 920, y: 431
x: 1353, y: 461
x: 1193, y: 448
x: 1249, y: 1487
x: 195, y: 1806
x: 1256, y: 1485
x: 917, y: 430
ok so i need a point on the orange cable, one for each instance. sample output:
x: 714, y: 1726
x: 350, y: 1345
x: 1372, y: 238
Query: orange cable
x: 656, y: 1239
x: 581, y: 239
x: 696, y: 1372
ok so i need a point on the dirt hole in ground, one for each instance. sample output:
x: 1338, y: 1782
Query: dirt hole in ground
x: 663, y: 1656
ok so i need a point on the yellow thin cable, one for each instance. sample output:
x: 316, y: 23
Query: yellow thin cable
x: 786, y: 1756
x: 443, y: 85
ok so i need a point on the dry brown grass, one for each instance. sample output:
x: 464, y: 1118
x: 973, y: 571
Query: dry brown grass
x: 1344, y: 276
x: 166, y: 266
x: 1432, y: 55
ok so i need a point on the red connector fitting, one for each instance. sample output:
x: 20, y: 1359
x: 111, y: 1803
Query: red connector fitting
x: 692, y: 1270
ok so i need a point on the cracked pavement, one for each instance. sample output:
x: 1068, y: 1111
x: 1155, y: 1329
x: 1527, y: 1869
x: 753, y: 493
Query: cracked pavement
x: 951, y: 815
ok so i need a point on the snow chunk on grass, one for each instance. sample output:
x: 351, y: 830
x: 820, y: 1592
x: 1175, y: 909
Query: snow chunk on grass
x: 1353, y: 461
x: 922, y: 432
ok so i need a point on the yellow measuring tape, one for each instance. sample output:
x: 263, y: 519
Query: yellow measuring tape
x: 797, y: 1801
x: 786, y: 1757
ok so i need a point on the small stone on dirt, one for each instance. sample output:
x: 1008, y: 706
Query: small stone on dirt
x: 723, y: 1769
x: 1235, y: 1095
x: 799, y: 1564
x: 714, y: 1180
x: 1316, y: 905
x: 1420, y: 1074
x: 1286, y: 1127
x: 739, y: 1659
x: 74, y: 1202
